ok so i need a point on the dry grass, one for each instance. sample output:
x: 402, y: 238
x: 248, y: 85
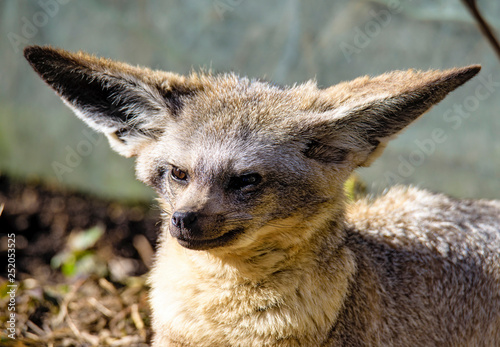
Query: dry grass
x: 86, y: 312
x: 96, y: 293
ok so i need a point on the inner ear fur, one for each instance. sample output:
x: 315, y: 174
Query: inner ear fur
x: 367, y: 112
x: 129, y: 104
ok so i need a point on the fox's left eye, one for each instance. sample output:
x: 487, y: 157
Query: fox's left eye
x: 244, y: 181
x: 178, y: 174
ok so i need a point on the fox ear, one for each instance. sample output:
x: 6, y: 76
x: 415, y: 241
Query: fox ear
x: 368, y: 112
x: 128, y: 104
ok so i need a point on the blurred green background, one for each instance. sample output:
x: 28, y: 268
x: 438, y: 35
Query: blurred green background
x: 284, y: 41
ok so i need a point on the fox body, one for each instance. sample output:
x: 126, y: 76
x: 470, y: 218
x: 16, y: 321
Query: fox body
x: 258, y: 246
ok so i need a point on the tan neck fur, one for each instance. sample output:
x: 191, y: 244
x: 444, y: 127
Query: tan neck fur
x: 251, y: 288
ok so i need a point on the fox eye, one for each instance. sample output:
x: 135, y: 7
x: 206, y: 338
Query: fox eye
x: 178, y: 175
x: 244, y: 181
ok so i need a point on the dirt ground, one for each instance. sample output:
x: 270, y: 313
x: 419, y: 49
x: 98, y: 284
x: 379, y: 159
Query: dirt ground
x: 80, y: 267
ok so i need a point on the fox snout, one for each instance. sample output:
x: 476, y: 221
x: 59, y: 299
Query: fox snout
x: 199, y: 231
x: 185, y: 224
x: 185, y: 220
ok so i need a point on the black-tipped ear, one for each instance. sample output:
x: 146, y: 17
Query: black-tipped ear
x: 370, y: 112
x: 126, y: 103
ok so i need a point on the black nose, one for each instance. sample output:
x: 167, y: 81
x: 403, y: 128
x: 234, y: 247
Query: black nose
x: 184, y: 220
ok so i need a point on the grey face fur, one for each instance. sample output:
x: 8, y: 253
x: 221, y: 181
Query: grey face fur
x: 236, y: 169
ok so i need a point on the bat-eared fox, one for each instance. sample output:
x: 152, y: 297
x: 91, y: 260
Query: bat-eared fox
x: 259, y: 246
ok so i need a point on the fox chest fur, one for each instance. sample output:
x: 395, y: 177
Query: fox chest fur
x: 258, y: 247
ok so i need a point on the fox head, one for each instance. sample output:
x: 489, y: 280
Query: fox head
x: 237, y: 161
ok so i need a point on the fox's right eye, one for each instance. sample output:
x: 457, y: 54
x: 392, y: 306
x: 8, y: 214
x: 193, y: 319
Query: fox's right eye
x: 245, y: 181
x: 178, y: 174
